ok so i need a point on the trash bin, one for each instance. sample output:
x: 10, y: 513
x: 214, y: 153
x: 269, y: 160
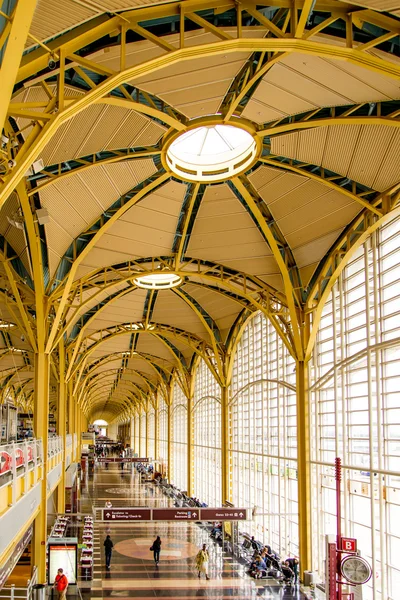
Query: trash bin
x: 308, y: 578
x: 39, y: 591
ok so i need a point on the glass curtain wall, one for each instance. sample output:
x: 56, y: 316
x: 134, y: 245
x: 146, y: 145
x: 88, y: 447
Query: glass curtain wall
x: 142, y: 448
x: 263, y: 435
x: 180, y: 438
x: 207, y: 437
x: 355, y: 414
x: 151, y: 433
x: 162, y: 432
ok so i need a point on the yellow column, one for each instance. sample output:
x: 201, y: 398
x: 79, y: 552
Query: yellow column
x: 41, y: 424
x: 225, y: 461
x: 13, y: 49
x: 62, y: 425
x: 139, y: 450
x: 303, y: 467
x: 190, y: 454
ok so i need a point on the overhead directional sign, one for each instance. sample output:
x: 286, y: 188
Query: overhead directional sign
x: 126, y: 514
x: 223, y: 514
x: 176, y: 514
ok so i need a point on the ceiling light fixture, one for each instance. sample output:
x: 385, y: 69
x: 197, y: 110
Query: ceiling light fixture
x: 6, y: 324
x: 162, y: 280
x: 210, y: 153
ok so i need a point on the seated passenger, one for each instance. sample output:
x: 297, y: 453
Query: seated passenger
x: 287, y: 572
x: 259, y: 568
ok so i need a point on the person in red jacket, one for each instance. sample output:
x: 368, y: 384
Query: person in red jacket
x: 61, y: 584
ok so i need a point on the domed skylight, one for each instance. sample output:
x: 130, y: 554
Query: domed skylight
x: 211, y: 153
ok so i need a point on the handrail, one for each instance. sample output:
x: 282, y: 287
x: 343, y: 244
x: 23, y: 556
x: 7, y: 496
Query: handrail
x: 18, y: 458
x: 12, y: 592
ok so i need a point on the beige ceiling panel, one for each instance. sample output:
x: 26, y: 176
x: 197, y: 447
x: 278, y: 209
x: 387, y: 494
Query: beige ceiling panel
x: 149, y: 344
x: 255, y: 266
x: 388, y: 174
x: 132, y: 247
x: 103, y: 129
x: 71, y: 140
x: 279, y: 99
x: 274, y: 281
x: 226, y: 253
x: 196, y: 93
x: 330, y: 75
x: 51, y: 148
x: 150, y: 135
x: 100, y: 257
x: 280, y: 186
x: 388, y: 86
x: 229, y: 208
x: 234, y: 238
x: 339, y: 149
x: 371, y: 150
x: 109, y: 182
x: 334, y: 221
x: 172, y: 310
x: 202, y: 108
x: 215, y: 303
x: 136, y: 53
x: 146, y: 218
x: 314, y: 251
x: 301, y: 198
x: 263, y: 175
x: 142, y: 169
x: 126, y: 131
x: 312, y: 145
x: 52, y: 17
x: 76, y: 198
x: 285, y: 145
x: 306, y: 273
x: 261, y: 113
x: 154, y: 235
x: 214, y: 225
x: 304, y: 88
x: 315, y: 210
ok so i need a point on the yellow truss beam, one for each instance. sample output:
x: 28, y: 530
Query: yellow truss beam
x: 40, y: 136
x: 13, y: 45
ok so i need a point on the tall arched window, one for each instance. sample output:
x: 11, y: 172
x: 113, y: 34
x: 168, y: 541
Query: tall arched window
x: 142, y: 450
x: 180, y: 437
x: 355, y: 387
x: 162, y: 431
x: 207, y: 437
x: 263, y: 436
x: 151, y: 433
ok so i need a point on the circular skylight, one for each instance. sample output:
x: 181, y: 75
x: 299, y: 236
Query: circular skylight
x: 158, y: 281
x: 211, y: 153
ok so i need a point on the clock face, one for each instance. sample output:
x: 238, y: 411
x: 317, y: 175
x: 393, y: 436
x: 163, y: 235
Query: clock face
x: 355, y: 569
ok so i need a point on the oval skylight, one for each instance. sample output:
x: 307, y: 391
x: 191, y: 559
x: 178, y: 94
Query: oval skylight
x: 158, y: 281
x: 211, y: 153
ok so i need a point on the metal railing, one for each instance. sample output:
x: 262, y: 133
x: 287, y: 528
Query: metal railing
x: 17, y: 458
x: 11, y: 592
x: 55, y: 445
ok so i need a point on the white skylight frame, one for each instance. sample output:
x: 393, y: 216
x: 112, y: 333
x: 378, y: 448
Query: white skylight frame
x: 162, y: 280
x: 210, y: 153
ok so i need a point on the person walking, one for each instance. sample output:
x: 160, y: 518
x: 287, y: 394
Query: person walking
x: 156, y: 548
x: 61, y: 584
x: 202, y: 559
x: 108, y: 546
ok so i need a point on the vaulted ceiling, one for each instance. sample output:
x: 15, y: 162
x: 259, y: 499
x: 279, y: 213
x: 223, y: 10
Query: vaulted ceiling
x: 100, y: 89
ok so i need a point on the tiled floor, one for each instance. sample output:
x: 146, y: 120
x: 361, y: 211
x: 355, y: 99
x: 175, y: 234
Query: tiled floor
x: 133, y: 573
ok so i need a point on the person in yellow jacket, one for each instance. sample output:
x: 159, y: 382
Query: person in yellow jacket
x: 202, y: 559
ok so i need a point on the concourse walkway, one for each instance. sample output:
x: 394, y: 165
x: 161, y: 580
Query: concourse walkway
x: 133, y: 573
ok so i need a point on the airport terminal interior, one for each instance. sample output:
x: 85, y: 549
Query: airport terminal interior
x: 200, y: 299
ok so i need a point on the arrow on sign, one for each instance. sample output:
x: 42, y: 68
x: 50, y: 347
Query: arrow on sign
x: 240, y: 514
x: 107, y: 515
x: 195, y: 514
